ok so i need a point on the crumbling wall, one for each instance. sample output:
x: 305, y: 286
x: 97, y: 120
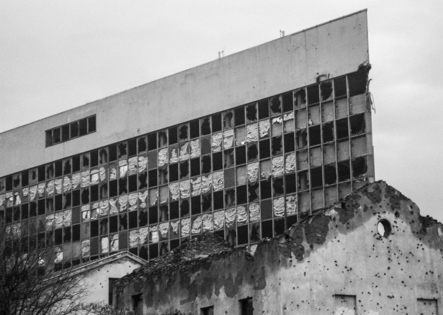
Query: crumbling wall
x: 370, y: 254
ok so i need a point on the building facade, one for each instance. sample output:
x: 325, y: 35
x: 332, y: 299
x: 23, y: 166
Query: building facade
x: 372, y: 253
x: 244, y: 146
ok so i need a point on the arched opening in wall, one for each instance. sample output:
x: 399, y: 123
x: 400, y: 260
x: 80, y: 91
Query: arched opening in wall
x: 384, y: 228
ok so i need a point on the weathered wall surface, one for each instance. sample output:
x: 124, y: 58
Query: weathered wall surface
x: 331, y: 49
x: 321, y: 266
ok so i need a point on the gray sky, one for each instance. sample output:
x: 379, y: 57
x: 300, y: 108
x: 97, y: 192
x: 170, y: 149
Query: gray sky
x: 56, y: 55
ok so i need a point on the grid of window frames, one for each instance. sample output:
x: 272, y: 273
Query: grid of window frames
x: 246, y: 173
x: 70, y: 131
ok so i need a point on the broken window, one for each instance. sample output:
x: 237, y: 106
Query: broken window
x: 251, y: 113
x: 205, y: 126
x: 326, y: 90
x: 239, y: 116
x: 152, y: 141
x: 278, y: 186
x: 342, y: 128
x: 229, y: 158
x: 314, y: 136
x: 340, y: 86
x: 207, y: 310
x: 132, y: 147
x: 275, y: 106
x: 184, y: 208
x: 206, y: 164
x: 303, y: 182
x: 313, y: 97
x: 162, y: 139
x: 216, y: 122
x: 343, y: 171
x: 357, y: 123
x: 252, y: 152
x: 228, y: 120
x: 300, y: 98
x: 277, y: 146
x: 359, y: 167
x: 357, y: 81
x: 263, y: 109
x: 287, y: 102
x: 330, y: 174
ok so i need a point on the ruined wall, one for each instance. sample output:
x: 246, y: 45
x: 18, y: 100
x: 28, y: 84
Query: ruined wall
x: 371, y: 254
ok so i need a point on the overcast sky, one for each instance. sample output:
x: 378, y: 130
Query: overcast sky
x: 56, y: 55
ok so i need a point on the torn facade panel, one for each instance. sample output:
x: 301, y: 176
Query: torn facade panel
x: 185, y: 227
x: 50, y: 188
x: 196, y: 186
x: 67, y: 218
x: 195, y: 148
x: 253, y: 172
x: 104, y: 207
x: 153, y: 197
x: 122, y: 168
x: 291, y: 205
x: 134, y: 238
x: 230, y: 217
x: 264, y: 127
x: 254, y: 212
x: 76, y: 179
x: 143, y: 234
x: 174, y: 189
x: 85, y: 248
x: 67, y: 185
x: 94, y: 211
x: 185, y: 189
x: 123, y: 202
x: 162, y: 157
x: 288, y: 121
x: 58, y: 183
x: 142, y: 163
x: 207, y: 222
x: 218, y: 182
x: 278, y: 166
x: 228, y: 139
x: 113, y: 205
x: 133, y: 200
x: 164, y: 230
x: 104, y: 245
x: 40, y: 189
x: 174, y: 227
x: 32, y: 193
x: 173, y: 158
x: 252, y: 133
x: 163, y: 194
x: 85, y: 180
x: 279, y: 207
x: 206, y: 183
x: 154, y: 234
x: 112, y: 172
x: 277, y: 126
x: 114, y: 243
x: 242, y: 215
x: 219, y: 220
x: 290, y: 163
x: 132, y: 165
x: 216, y: 141
x: 143, y: 195
x: 102, y: 174
x: 196, y: 225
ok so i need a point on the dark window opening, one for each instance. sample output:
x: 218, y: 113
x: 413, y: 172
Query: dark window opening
x: 277, y: 146
x: 230, y: 197
x: 287, y: 102
x: 357, y: 123
x: 76, y: 198
x: 194, y: 128
x: 359, y: 167
x: 340, y: 86
x: 173, y: 172
x: 91, y: 124
x: 172, y: 133
x: 343, y: 171
x: 137, y: 301
x: 112, y: 188
x: 141, y: 145
x: 49, y: 171
x: 67, y: 167
x: 242, y: 234
x: 265, y: 150
x: 207, y: 310
x: 357, y: 81
x: 122, y: 186
x: 58, y: 235
x: 162, y: 175
x: 162, y: 139
x: 265, y: 189
x: 67, y: 234
x: 239, y: 116
x: 152, y: 178
x: 328, y: 132
x: 164, y: 213
x: 330, y: 174
x: 205, y: 126
x: 302, y: 139
x: 195, y: 167
x: 253, y: 192
x: 143, y: 218
x: 123, y: 220
x: 112, y: 152
x: 342, y: 128
x: 195, y: 205
x: 314, y: 136
x: 228, y: 120
x: 279, y: 226
x: 184, y: 208
x: 252, y: 152
x: 278, y: 187
x: 113, y: 224
x: 122, y: 150
x: 207, y: 202
x: 313, y: 97
x: 216, y: 122
x: 275, y: 105
x: 74, y: 129
x: 217, y: 161
x: 85, y: 196
x: 316, y: 177
x: 303, y: 182
x: 246, y: 307
x: 132, y: 147
x: 152, y: 141
x: 326, y: 90
x: 242, y: 194
x: 83, y: 123
x: 218, y: 200
x: 65, y: 133
x: 173, y: 210
x: 266, y: 229
x: 254, y: 235
x: 16, y: 181
x: 251, y: 113
x: 184, y: 169
x: 206, y: 164
x: 58, y: 202
x: 229, y: 158
x: 300, y: 98
x: 290, y: 183
x: 56, y: 138
x: 240, y: 155
x: 94, y: 158
x: 183, y: 132
x: 263, y: 109
x: 289, y: 142
x: 132, y: 180
x: 85, y: 160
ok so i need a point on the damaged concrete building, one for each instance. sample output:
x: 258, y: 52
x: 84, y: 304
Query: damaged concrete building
x: 244, y: 146
x: 371, y: 253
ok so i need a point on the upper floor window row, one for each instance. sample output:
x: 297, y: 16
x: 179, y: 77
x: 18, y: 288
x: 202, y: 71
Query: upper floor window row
x: 70, y: 131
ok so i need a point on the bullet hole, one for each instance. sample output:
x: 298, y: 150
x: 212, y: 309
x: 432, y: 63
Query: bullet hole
x: 359, y: 167
x: 152, y: 141
x: 205, y: 126
x: 384, y: 228
x: 278, y: 186
x: 316, y: 177
x: 275, y: 105
x: 122, y: 186
x: 326, y: 90
x: 207, y: 202
x: 340, y: 86
x: 313, y: 97
x: 330, y: 174
x: 122, y: 150
x: 251, y: 113
x: 263, y: 110
x: 277, y: 146
x: 239, y: 116
x: 184, y: 169
x: 358, y: 124
x: 342, y: 128
x: 314, y: 136
x: 302, y: 138
x: 228, y: 120
x: 206, y: 164
x: 162, y: 139
x: 287, y: 102
x: 300, y: 98
x: 253, y: 190
x: 252, y: 152
x: 328, y: 132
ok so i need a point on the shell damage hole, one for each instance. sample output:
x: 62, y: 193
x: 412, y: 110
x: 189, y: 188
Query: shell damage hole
x: 384, y: 228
